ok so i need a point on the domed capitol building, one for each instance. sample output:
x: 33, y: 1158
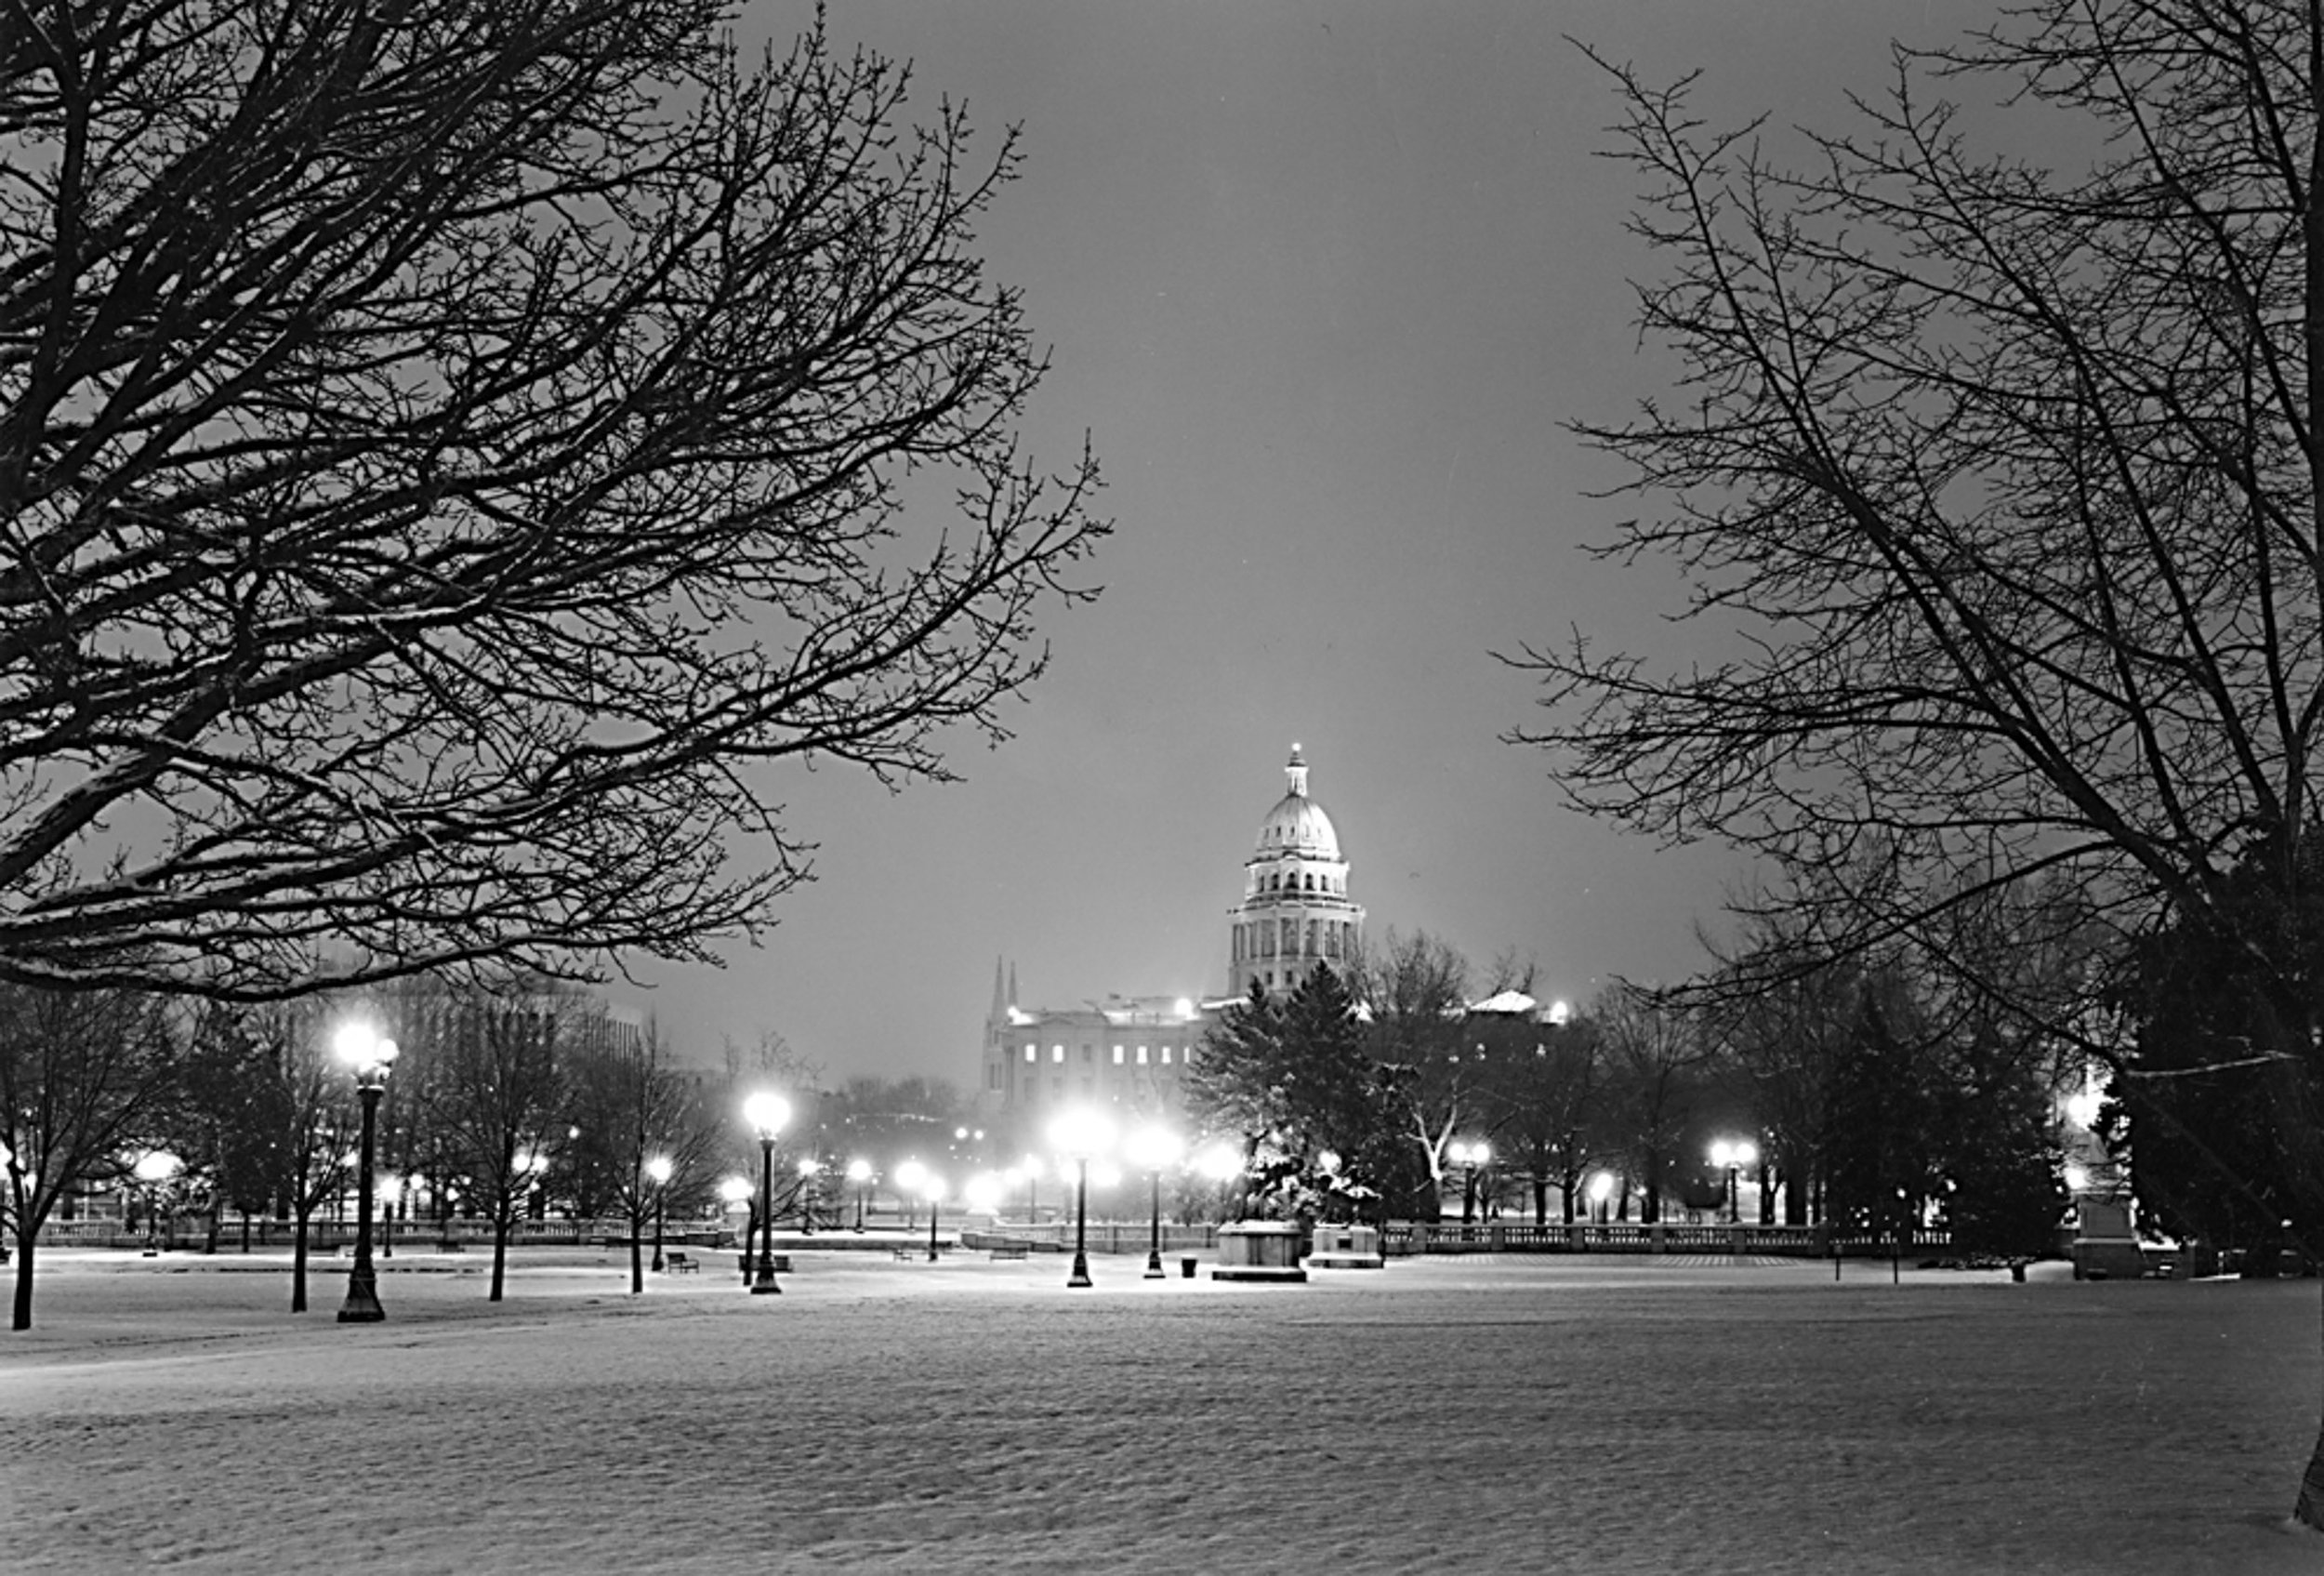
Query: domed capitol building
x: 1129, y: 1052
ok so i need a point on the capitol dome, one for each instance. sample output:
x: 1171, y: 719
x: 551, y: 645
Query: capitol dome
x: 1295, y: 914
x: 1297, y: 826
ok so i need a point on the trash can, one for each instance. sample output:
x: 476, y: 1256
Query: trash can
x: 1186, y: 1270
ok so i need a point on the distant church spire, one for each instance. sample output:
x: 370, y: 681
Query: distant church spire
x: 1000, y: 1002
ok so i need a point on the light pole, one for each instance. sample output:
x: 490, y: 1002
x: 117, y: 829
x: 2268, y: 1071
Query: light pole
x: 1032, y: 1169
x: 659, y: 1169
x: 932, y: 1189
x: 859, y: 1171
x: 1470, y: 1155
x: 154, y: 1167
x: 766, y: 1112
x: 388, y: 1182
x: 1733, y: 1155
x: 808, y: 1171
x: 734, y: 1192
x: 1078, y: 1135
x: 1600, y: 1189
x: 1152, y: 1149
x: 369, y: 1054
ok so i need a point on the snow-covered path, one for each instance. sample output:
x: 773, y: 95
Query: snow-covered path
x: 1483, y: 1417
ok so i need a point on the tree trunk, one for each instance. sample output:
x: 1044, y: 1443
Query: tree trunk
x: 500, y: 1251
x: 22, y: 1317
x: 2309, y: 1509
x: 637, y: 1260
x: 298, y: 1259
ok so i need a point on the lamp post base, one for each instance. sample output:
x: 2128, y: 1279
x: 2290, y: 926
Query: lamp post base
x: 1081, y: 1276
x: 764, y: 1283
x: 362, y: 1298
x: 1153, y: 1265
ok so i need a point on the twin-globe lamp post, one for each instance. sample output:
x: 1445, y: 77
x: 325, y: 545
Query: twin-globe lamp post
x: 766, y: 1112
x: 154, y: 1171
x: 1154, y: 1150
x: 1733, y: 1155
x: 1471, y: 1156
x: 369, y: 1054
x: 859, y: 1171
x: 1600, y: 1189
x: 659, y: 1169
x: 1078, y: 1135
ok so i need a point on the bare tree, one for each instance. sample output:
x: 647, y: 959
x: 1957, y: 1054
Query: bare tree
x: 449, y: 450
x: 295, y: 1111
x: 1543, y: 1085
x: 2000, y: 486
x: 1415, y: 991
x: 1655, y: 1059
x: 497, y: 1099
x: 634, y: 1107
x: 83, y: 1077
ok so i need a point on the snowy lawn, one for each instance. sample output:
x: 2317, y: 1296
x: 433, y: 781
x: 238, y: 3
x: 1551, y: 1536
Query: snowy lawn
x: 1477, y: 1416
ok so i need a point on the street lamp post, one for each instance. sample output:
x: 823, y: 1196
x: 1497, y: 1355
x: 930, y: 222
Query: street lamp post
x: 1032, y: 1169
x: 1152, y: 1149
x: 370, y: 1055
x: 859, y: 1171
x: 1470, y: 1155
x: 932, y: 1189
x: 1600, y: 1189
x: 1078, y: 1135
x: 659, y: 1169
x: 154, y: 1167
x: 766, y: 1112
x: 387, y: 1185
x: 1734, y: 1156
x: 734, y: 1192
x: 808, y: 1171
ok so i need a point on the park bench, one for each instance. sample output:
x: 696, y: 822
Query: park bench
x: 681, y: 1264
x: 1010, y: 1250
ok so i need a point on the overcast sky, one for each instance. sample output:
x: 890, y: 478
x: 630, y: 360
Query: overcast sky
x: 1321, y: 281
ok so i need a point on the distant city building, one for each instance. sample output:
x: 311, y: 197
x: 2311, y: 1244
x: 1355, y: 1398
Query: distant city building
x: 1129, y: 1052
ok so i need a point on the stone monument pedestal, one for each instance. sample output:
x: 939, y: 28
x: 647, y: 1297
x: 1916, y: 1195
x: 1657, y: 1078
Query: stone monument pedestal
x: 1258, y: 1250
x: 1346, y: 1247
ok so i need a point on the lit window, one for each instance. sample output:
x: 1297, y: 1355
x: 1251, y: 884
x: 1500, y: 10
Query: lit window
x: 1118, y: 1056
x: 1031, y: 1053
x: 1056, y: 1053
x: 1166, y: 1055
x: 1142, y: 1055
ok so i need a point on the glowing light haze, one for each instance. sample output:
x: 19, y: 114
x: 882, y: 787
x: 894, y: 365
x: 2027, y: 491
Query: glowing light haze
x: 1321, y: 282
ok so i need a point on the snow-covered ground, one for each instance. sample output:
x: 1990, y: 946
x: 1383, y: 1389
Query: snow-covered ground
x: 1442, y: 1415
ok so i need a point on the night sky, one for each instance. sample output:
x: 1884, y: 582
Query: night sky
x: 1321, y: 282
